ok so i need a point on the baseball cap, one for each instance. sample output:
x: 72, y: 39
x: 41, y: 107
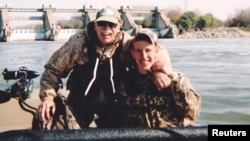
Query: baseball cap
x: 108, y: 14
x: 146, y: 34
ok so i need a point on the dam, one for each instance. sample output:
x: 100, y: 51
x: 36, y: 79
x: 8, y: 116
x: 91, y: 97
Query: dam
x: 51, y: 30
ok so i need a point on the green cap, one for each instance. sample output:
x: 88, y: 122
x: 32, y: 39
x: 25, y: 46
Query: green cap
x: 149, y: 34
x: 108, y: 14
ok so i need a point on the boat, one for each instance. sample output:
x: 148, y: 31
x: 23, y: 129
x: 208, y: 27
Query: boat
x: 21, y: 88
x: 109, y: 134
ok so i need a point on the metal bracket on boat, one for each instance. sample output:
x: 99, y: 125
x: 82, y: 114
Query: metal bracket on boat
x: 20, y: 86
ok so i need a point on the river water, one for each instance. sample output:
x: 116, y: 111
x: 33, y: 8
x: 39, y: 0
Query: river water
x: 219, y: 70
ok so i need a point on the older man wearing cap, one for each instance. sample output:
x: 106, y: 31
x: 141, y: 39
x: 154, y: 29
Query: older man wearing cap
x: 146, y: 106
x: 95, y: 60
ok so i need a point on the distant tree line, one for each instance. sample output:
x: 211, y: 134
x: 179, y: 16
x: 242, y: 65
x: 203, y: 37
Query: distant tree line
x: 242, y: 19
x: 192, y: 20
x: 66, y: 24
x: 76, y: 24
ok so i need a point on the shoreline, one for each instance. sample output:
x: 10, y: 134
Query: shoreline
x: 222, y: 32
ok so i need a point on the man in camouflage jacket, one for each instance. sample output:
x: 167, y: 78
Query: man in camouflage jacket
x: 145, y: 104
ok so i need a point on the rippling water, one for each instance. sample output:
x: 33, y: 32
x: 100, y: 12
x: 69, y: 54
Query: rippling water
x: 219, y: 69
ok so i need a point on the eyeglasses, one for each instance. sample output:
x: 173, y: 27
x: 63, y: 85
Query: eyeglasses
x: 103, y: 23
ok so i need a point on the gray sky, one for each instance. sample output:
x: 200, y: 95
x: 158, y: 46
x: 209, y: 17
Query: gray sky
x: 219, y: 8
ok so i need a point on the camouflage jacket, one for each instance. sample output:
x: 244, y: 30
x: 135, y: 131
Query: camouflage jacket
x: 146, y: 106
x: 74, y: 51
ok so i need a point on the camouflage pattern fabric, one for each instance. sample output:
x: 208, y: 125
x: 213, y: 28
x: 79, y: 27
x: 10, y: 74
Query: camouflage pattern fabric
x: 61, y: 63
x: 64, y: 117
x: 145, y: 106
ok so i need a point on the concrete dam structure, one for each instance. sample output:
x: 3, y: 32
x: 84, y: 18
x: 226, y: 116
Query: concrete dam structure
x: 51, y: 30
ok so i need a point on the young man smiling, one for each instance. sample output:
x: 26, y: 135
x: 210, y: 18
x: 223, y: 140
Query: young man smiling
x: 146, y: 105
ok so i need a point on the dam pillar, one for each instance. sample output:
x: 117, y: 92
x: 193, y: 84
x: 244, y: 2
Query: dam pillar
x: 166, y: 28
x: 5, y: 28
x: 89, y: 14
x: 49, y: 24
x: 129, y: 24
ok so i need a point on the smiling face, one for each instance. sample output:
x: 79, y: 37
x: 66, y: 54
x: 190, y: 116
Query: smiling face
x: 107, y: 31
x: 144, y: 54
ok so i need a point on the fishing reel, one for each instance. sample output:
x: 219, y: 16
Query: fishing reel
x: 22, y: 86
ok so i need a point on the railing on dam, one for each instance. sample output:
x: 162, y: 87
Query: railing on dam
x: 50, y: 16
x: 40, y: 34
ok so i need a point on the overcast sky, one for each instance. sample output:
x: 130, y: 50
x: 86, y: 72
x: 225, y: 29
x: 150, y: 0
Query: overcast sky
x: 221, y: 9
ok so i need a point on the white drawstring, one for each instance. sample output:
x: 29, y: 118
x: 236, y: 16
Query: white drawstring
x: 94, y: 77
x: 111, y: 75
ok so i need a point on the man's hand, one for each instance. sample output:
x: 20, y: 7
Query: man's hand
x: 161, y: 80
x: 161, y: 73
x: 46, y: 110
